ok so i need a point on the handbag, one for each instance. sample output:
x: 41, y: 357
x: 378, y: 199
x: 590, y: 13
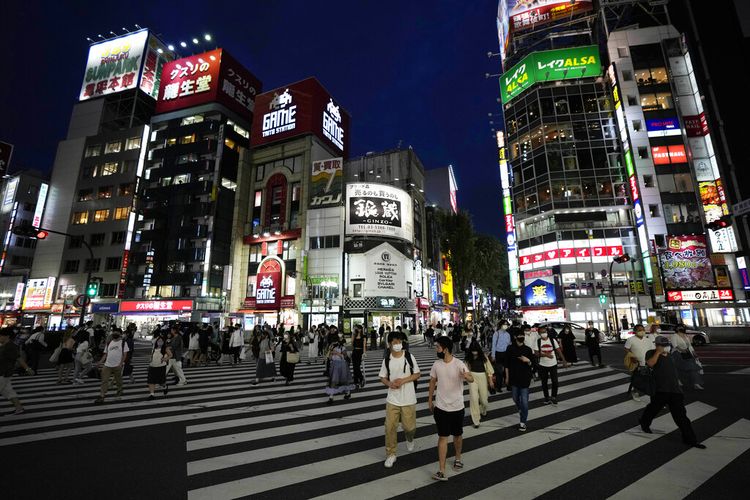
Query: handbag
x: 85, y: 358
x: 643, y: 380
x: 269, y: 358
x: 292, y: 357
x: 55, y: 354
x: 686, y: 354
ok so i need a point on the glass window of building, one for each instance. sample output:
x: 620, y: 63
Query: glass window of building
x: 85, y: 194
x: 642, y: 76
x: 97, y: 239
x: 659, y: 75
x: 648, y: 181
x: 71, y: 266
x: 642, y: 152
x: 171, y: 141
x: 109, y: 168
x: 108, y: 290
x: 113, y: 264
x: 75, y: 242
x: 118, y: 237
x: 664, y: 100
x: 357, y: 290
x: 289, y: 250
x: 122, y: 213
x: 104, y: 192
x: 113, y: 147
x: 187, y: 139
x: 256, y: 253
x: 683, y: 183
x: 653, y: 210
x: 277, y: 195
x: 627, y: 75
x: 81, y: 217
x: 125, y: 189
x: 101, y: 215
x: 133, y: 143
x: 89, y: 171
x: 260, y: 172
x: 93, y: 150
x: 649, y: 102
x: 92, y: 265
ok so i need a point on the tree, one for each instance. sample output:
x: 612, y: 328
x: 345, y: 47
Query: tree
x: 491, y: 267
x: 457, y: 243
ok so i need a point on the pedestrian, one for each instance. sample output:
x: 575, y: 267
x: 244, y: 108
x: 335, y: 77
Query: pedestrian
x: 312, y: 345
x: 448, y: 375
x: 398, y: 373
x: 175, y: 362
x: 667, y: 393
x: 161, y: 353
x: 548, y: 354
x: 430, y: 336
x: 500, y: 343
x: 530, y: 339
x: 482, y: 371
x: 688, y: 367
x: 289, y: 358
x: 593, y: 337
x: 113, y: 358
x: 204, y: 339
x: 65, y: 359
x: 127, y: 369
x: 9, y: 355
x: 236, y: 342
x: 359, y: 348
x: 35, y: 345
x: 194, y: 349
x: 83, y: 357
x: 636, y: 347
x: 266, y: 366
x: 518, y: 374
x: 339, y: 375
x: 623, y: 322
x: 568, y: 342
x: 373, y: 338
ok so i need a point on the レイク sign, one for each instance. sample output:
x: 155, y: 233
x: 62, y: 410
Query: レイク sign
x: 268, y: 283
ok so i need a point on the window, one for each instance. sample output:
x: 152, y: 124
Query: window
x: 171, y: 141
x: 92, y: 265
x: 94, y: 150
x: 85, y: 194
x: 108, y: 290
x: 296, y: 190
x: 125, y: 189
x: 121, y: 213
x: 683, y: 183
x: 109, y: 169
x: 648, y: 181
x: 260, y: 172
x: 651, y: 76
x: 622, y: 52
x: 655, y: 102
x: 289, y: 250
x: 632, y: 100
x: 653, y: 210
x: 357, y: 290
x: 71, y: 266
x: 133, y: 143
x: 22, y: 260
x: 256, y: 254
x: 318, y: 242
x: 97, y: 239
x: 75, y: 242
x: 187, y: 139
x: 101, y: 215
x: 118, y: 237
x: 642, y: 152
x: 627, y: 75
x: 113, y: 147
x: 90, y: 171
x: 104, y: 192
x: 113, y: 264
x: 81, y: 217
x: 637, y: 125
x: 659, y: 240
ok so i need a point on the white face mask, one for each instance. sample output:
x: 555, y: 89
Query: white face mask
x: 667, y: 349
x: 544, y: 335
x: 397, y: 347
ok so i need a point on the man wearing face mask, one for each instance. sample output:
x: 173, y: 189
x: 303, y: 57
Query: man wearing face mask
x: 668, y: 393
x: 398, y: 372
x: 448, y: 375
x: 637, y: 346
x: 518, y: 374
x: 115, y: 353
x: 500, y: 343
x: 548, y: 353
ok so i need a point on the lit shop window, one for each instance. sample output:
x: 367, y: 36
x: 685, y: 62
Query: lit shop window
x: 109, y: 169
x: 113, y: 147
x: 122, y: 213
x: 187, y: 139
x: 81, y: 217
x: 101, y: 215
x: 133, y: 143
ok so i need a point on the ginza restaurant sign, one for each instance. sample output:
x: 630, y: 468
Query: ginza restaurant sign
x: 548, y: 66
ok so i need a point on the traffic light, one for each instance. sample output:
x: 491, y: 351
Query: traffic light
x: 622, y: 258
x: 30, y: 231
x: 720, y: 223
x: 602, y: 299
x: 92, y: 288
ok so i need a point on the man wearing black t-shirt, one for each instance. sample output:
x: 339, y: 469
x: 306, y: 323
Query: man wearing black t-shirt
x: 518, y: 373
x: 667, y: 393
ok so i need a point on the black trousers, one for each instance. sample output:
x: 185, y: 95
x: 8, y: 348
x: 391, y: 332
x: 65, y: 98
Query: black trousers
x: 546, y: 372
x: 357, y: 366
x: 676, y: 403
x: 236, y: 354
x: 594, y: 350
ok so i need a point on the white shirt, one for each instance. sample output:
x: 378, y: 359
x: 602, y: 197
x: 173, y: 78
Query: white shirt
x: 83, y: 346
x: 115, y: 351
x: 236, y: 340
x: 639, y: 347
x: 404, y: 395
x: 450, y: 384
x: 546, y: 347
x: 530, y: 340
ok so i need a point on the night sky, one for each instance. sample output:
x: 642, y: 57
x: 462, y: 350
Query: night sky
x: 407, y: 71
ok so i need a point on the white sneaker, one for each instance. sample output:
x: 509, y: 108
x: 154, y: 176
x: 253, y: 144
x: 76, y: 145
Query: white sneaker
x: 635, y: 395
x: 182, y: 383
x: 410, y: 445
x: 390, y: 461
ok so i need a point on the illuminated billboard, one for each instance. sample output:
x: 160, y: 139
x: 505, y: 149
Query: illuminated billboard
x: 39, y: 293
x: 379, y: 210
x: 685, y: 264
x: 548, y: 66
x: 527, y: 15
x: 326, y: 183
x: 540, y: 288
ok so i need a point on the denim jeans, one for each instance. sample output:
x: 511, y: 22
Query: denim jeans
x: 521, y: 398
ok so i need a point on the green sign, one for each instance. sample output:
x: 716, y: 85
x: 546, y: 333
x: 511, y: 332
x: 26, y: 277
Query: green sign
x: 549, y: 66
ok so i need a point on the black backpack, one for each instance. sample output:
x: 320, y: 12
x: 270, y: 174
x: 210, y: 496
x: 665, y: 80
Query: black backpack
x: 407, y: 354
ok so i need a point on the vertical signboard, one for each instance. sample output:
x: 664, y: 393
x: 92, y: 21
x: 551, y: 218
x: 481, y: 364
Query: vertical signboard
x: 326, y: 183
x: 685, y: 264
x: 510, y: 225
x: 41, y: 200
x: 269, y: 283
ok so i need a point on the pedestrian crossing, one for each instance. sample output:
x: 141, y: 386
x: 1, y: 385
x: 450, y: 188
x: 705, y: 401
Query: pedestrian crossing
x: 272, y: 440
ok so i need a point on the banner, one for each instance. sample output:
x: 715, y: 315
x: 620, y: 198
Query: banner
x: 379, y: 210
x: 685, y: 264
x: 326, y: 183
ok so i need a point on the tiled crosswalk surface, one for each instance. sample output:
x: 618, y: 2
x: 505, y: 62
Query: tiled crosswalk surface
x: 274, y: 441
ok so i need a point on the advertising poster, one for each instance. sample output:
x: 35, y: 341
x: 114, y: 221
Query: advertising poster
x: 268, y: 285
x: 528, y: 14
x: 710, y: 200
x: 379, y: 210
x: 327, y: 183
x: 114, y: 65
x: 685, y: 264
x: 540, y: 288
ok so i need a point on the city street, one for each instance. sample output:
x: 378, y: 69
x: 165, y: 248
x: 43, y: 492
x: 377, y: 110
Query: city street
x: 219, y: 437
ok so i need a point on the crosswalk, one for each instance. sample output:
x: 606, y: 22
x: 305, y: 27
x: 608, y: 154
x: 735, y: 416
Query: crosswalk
x: 272, y: 440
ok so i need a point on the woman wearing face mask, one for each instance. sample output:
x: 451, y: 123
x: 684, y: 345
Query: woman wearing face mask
x: 518, y: 373
x: 482, y: 371
x: 286, y: 367
x: 359, y: 348
x: 568, y: 342
x: 266, y: 367
x: 688, y: 367
x: 339, y: 375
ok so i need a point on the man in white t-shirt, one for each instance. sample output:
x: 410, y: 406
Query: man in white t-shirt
x: 637, y: 346
x: 548, y: 354
x: 115, y: 354
x: 448, y: 375
x: 398, y: 373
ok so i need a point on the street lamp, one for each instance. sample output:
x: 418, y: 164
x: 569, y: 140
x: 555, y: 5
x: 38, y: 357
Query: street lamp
x: 619, y: 260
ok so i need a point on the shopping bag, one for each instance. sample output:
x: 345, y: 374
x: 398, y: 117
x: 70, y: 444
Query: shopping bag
x: 55, y: 355
x: 243, y: 354
x: 269, y: 358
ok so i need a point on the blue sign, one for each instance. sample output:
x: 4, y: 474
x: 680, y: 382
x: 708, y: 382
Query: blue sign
x: 659, y: 124
x: 434, y: 289
x: 638, y: 211
x: 105, y: 307
x: 540, y: 292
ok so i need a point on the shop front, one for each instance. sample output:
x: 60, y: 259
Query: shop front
x: 380, y: 311
x: 148, y: 314
x: 268, y: 304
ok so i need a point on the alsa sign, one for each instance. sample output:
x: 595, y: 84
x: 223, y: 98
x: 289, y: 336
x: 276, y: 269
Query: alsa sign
x: 213, y: 76
x: 301, y: 108
x: 548, y: 66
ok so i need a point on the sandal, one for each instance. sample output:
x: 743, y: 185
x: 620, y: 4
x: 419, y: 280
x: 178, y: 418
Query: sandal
x: 439, y: 476
x: 458, y: 465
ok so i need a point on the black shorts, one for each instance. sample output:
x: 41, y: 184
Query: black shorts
x: 157, y: 375
x: 449, y: 423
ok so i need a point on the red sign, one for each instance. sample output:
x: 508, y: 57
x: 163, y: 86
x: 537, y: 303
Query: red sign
x: 509, y: 223
x: 298, y: 109
x: 287, y: 302
x: 677, y: 154
x: 634, y: 187
x: 584, y: 254
x: 660, y: 155
x: 212, y: 76
x: 268, y: 284
x: 249, y: 303
x: 699, y: 295
x: 123, y: 274
x: 696, y: 125
x: 146, y: 306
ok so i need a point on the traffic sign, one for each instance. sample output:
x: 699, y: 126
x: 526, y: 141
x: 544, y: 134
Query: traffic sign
x: 602, y: 299
x: 82, y: 300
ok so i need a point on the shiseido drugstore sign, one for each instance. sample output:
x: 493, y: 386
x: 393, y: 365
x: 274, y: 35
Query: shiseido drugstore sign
x: 301, y: 108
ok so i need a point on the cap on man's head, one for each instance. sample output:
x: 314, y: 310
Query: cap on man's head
x: 662, y: 340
